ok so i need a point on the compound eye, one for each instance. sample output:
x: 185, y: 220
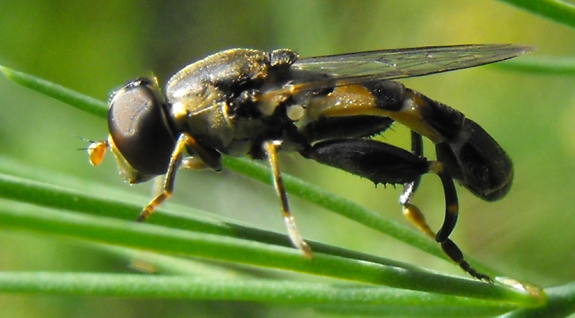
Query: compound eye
x: 139, y: 127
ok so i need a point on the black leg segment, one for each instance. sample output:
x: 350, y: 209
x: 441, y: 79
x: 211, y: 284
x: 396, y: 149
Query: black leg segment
x: 374, y: 160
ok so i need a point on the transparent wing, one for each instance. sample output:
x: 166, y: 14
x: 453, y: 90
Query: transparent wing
x: 353, y: 68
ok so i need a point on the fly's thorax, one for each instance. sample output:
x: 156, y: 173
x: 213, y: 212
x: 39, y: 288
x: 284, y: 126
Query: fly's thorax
x: 221, y: 69
x: 221, y: 100
x: 214, y: 121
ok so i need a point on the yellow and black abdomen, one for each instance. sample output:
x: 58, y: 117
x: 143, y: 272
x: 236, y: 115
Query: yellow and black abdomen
x: 477, y: 161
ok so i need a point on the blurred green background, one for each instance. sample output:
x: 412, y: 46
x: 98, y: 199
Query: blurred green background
x: 94, y: 47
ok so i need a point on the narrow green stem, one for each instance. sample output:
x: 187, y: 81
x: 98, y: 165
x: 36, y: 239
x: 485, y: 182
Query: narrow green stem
x: 179, y: 242
x: 552, y: 65
x: 554, y: 10
x: 361, y: 297
x: 61, y: 93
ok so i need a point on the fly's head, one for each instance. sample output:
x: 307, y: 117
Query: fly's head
x: 141, y: 137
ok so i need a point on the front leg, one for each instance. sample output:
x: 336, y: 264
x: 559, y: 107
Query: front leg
x: 184, y: 140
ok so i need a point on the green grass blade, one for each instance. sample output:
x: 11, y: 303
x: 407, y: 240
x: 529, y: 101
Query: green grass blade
x: 40, y: 193
x: 561, y: 303
x: 545, y: 65
x: 178, y: 242
x: 63, y: 94
x: 154, y: 263
x: 319, y: 295
x: 554, y: 10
